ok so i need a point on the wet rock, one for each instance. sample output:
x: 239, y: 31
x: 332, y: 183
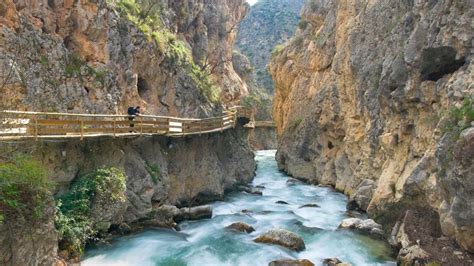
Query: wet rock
x: 250, y: 190
x: 124, y: 229
x: 260, y: 186
x: 282, y: 202
x: 361, y: 198
x: 369, y: 226
x: 352, y: 205
x: 307, y: 229
x: 196, y: 213
x: 311, y: 205
x: 291, y: 262
x: 241, y: 227
x: 283, y: 238
x: 256, y: 192
x: 248, y: 212
x: 292, y: 181
x: 413, y: 255
x: 251, y: 212
x: 354, y: 214
x: 333, y: 262
x: 167, y: 211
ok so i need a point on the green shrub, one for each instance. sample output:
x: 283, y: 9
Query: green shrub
x: 25, y: 190
x: 205, y: 84
x: 74, y: 220
x: 43, y: 60
x: 77, y: 67
x: 153, y: 170
x: 464, y: 115
x: 460, y: 118
x: 278, y: 48
x: 129, y: 6
x: 73, y: 65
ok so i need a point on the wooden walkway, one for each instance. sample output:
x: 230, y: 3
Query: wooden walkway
x: 19, y: 125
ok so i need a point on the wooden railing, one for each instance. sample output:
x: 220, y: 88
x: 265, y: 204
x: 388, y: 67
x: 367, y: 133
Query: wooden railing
x: 264, y: 124
x: 17, y: 125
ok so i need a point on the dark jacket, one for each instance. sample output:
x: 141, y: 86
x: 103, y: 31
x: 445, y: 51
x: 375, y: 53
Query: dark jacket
x: 133, y: 111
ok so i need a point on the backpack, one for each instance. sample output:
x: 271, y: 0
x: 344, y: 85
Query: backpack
x: 131, y: 111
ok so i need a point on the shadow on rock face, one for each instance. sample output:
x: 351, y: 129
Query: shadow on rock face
x: 439, y: 61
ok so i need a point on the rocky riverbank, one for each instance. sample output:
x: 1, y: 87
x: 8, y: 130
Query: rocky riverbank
x: 375, y: 99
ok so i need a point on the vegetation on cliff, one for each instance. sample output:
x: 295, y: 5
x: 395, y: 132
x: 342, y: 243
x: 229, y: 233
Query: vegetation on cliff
x: 24, y: 190
x: 75, y: 219
x: 460, y: 118
x: 147, y: 16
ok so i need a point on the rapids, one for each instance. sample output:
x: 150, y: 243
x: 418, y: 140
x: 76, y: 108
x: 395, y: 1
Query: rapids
x: 206, y: 242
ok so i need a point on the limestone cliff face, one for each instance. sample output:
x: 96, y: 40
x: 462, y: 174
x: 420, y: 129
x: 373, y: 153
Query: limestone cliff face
x: 89, y: 56
x: 363, y: 95
x: 268, y: 23
x: 96, y: 56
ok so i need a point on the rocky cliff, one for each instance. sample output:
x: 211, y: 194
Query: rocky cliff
x: 170, y: 57
x: 376, y: 99
x: 268, y: 23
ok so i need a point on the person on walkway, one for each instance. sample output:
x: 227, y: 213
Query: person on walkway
x: 132, y: 113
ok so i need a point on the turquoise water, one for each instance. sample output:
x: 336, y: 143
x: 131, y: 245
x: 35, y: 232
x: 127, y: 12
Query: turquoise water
x: 206, y: 242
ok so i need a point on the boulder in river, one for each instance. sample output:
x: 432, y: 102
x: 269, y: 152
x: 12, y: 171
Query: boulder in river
x: 195, y: 213
x: 292, y: 181
x: 291, y: 262
x: 282, y: 202
x: 334, y: 262
x: 307, y: 229
x: 241, y: 227
x: 250, y: 190
x: 369, y: 226
x: 283, y: 238
x: 311, y: 205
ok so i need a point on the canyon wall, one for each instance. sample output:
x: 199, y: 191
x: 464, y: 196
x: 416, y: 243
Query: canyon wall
x: 375, y: 98
x: 95, y: 56
x: 268, y: 23
x: 101, y: 57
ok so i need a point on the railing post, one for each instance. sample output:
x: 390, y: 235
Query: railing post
x: 82, y: 128
x: 141, y: 125
x: 200, y: 127
x: 235, y: 120
x: 115, y: 125
x: 36, y: 128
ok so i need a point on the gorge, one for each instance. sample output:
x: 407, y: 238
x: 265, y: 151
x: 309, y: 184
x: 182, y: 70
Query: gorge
x: 373, y: 106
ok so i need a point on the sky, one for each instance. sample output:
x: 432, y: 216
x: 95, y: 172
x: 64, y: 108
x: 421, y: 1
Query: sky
x: 252, y: 2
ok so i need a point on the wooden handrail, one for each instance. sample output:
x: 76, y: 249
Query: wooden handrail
x: 16, y: 125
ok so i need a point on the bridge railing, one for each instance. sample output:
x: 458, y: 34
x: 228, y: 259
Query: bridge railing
x: 16, y: 125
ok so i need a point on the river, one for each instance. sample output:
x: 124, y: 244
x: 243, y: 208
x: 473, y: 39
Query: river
x: 207, y: 242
